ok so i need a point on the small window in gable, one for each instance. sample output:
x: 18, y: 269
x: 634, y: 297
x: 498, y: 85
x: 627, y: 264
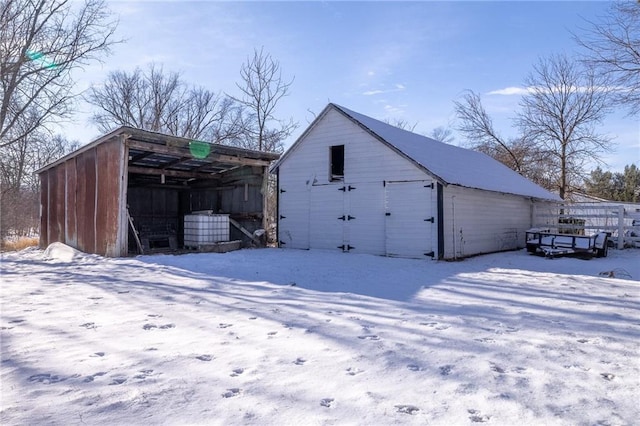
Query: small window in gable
x: 337, y: 163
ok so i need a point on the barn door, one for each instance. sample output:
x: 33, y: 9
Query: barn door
x: 293, y: 217
x: 364, y: 207
x: 327, y: 217
x: 409, y: 219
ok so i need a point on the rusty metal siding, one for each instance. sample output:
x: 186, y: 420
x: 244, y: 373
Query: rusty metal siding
x: 86, y: 202
x: 44, y: 210
x: 108, y: 193
x: 71, y: 229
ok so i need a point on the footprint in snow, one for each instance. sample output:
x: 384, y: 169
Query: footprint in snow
x: 205, y: 357
x: 230, y: 393
x: 476, y: 417
x: 236, y: 372
x: 89, y: 325
x: 607, y: 376
x: 445, y: 370
x: 93, y: 376
x: 369, y: 337
x: 48, y: 379
x: 300, y: 361
x: 272, y: 333
x: 414, y: 367
x: 98, y: 354
x: 167, y: 326
x: 352, y: 371
x: 149, y: 326
x: 118, y: 381
x: 497, y: 368
x: 327, y: 402
x: 407, y: 409
x: 223, y: 325
x: 143, y: 374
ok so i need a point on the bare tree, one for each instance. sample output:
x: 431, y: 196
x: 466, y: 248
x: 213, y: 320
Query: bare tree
x: 160, y: 101
x: 442, y: 134
x: 477, y: 126
x: 41, y: 43
x: 19, y: 186
x: 613, y: 49
x: 401, y: 124
x: 559, y: 114
x: 262, y: 89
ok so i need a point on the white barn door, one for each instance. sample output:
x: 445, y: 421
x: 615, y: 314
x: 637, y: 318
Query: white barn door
x: 326, y: 207
x: 364, y: 206
x: 293, y: 219
x: 409, y: 219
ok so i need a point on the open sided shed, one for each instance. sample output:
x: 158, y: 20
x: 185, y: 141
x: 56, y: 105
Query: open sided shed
x: 88, y: 196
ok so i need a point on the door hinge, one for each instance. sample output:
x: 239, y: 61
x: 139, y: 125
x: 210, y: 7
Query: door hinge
x: 346, y: 247
x: 283, y: 243
x: 387, y: 214
x: 349, y: 217
x: 341, y: 218
x: 429, y: 186
x: 351, y: 188
x: 431, y: 254
x: 342, y: 189
x: 282, y: 217
x: 283, y: 190
x: 431, y: 219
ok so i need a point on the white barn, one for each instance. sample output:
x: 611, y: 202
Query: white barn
x: 359, y: 185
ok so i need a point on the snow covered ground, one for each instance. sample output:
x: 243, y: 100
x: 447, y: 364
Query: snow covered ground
x: 287, y: 337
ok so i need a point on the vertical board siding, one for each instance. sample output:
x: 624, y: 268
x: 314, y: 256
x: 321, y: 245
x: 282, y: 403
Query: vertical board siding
x: 44, y: 209
x: 477, y: 221
x: 107, y: 197
x: 86, y: 196
x: 71, y: 229
x: 312, y: 203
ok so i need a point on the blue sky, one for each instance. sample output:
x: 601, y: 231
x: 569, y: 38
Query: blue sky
x: 388, y: 60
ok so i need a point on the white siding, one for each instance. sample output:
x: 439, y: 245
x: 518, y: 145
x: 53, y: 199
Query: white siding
x: 312, y: 204
x: 477, y: 221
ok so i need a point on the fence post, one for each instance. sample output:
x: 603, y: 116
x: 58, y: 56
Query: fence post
x: 620, y: 227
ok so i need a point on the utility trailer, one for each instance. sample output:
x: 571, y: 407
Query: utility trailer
x: 543, y: 241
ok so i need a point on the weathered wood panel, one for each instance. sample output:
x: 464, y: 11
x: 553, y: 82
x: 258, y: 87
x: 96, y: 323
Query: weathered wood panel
x: 71, y: 229
x: 107, y: 197
x: 44, y: 209
x: 56, y: 225
x: 86, y: 201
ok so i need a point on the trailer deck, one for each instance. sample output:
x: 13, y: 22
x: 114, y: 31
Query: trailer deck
x: 543, y: 241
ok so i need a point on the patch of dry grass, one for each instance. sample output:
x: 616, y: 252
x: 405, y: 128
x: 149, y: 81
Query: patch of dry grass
x: 19, y: 244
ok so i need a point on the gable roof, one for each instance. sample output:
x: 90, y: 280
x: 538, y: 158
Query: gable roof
x: 450, y: 164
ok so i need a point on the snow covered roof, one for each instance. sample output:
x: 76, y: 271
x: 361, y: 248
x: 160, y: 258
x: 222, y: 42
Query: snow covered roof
x: 451, y: 164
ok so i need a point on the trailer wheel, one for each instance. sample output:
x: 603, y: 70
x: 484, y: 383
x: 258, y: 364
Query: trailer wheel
x: 604, y: 251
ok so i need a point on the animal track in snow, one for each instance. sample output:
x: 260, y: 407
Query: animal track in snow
x: 89, y: 325
x: 162, y: 327
x: 118, y: 380
x: 353, y: 371
x: 407, y: 409
x: 48, y: 379
x: 476, y: 417
x: 93, y: 376
x: 98, y: 354
x: 143, y: 374
x: 167, y: 326
x: 414, y: 367
x: 497, y: 368
x: 300, y: 361
x: 224, y: 325
x: 230, y: 393
x: 327, y: 402
x: 149, y: 326
x: 369, y: 337
x: 236, y: 372
x: 205, y: 357
x: 607, y: 376
x: 445, y: 370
